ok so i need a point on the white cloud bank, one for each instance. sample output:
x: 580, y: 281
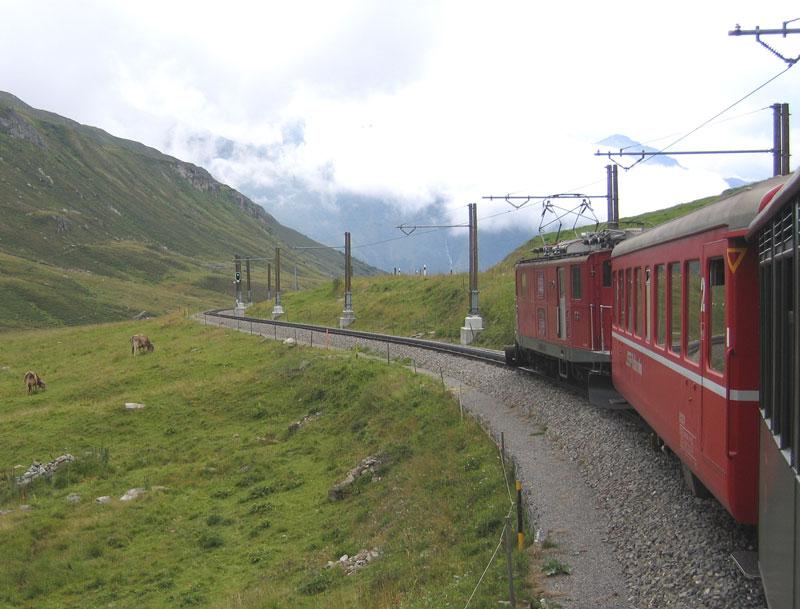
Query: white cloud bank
x: 413, y: 102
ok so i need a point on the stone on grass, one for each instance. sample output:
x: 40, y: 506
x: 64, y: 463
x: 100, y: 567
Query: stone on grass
x: 103, y: 500
x: 290, y: 342
x: 132, y: 494
x: 351, y: 564
x: 368, y: 464
x: 298, y: 424
x: 74, y: 498
x: 133, y: 406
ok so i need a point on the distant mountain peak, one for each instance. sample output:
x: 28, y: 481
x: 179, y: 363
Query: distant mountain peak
x: 619, y: 141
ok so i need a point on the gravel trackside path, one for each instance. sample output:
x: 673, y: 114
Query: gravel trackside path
x: 618, y: 510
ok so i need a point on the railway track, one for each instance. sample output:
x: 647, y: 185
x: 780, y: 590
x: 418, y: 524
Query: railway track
x: 475, y: 353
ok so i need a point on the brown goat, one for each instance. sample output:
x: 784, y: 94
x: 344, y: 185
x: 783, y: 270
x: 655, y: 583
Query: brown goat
x: 140, y: 342
x: 34, y: 381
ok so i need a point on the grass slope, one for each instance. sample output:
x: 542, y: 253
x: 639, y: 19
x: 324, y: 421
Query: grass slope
x: 435, y: 306
x: 236, y: 510
x: 77, y: 198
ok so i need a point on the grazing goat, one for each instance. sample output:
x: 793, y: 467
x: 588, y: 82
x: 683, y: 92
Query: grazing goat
x: 139, y: 342
x: 33, y: 381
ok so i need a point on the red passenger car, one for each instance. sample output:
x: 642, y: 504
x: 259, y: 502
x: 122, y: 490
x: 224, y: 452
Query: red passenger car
x: 563, y: 307
x: 685, y: 342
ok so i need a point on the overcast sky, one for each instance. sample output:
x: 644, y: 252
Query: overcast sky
x: 414, y: 101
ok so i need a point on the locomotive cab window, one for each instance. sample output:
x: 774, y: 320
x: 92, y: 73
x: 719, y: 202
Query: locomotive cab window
x: 575, y: 272
x: 539, y: 284
x: 716, y: 344
x: 523, y: 284
x: 606, y: 273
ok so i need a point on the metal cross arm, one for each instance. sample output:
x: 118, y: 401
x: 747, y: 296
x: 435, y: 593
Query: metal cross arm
x: 318, y: 247
x: 758, y: 33
x: 642, y: 153
x: 564, y: 195
x: 407, y: 229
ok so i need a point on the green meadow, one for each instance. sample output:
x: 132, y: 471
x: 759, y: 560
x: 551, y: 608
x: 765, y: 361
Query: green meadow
x: 235, y: 511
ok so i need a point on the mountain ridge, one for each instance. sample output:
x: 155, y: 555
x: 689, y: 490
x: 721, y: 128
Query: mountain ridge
x: 77, y: 198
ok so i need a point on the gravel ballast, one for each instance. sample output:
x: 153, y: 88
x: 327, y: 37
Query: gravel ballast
x: 647, y: 543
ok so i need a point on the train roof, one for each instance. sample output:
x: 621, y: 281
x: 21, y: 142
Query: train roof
x: 789, y: 191
x: 734, y: 212
x: 588, y: 243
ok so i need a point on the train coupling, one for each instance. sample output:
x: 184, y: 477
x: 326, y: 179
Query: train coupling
x: 602, y: 393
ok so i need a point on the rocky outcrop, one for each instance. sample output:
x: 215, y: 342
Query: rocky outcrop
x: 17, y: 127
x: 368, y: 465
x: 351, y: 564
x: 37, y: 469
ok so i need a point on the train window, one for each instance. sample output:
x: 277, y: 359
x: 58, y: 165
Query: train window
x: 675, y: 310
x: 716, y: 285
x: 575, y: 272
x: 541, y: 322
x: 694, y: 298
x: 561, y: 309
x: 767, y: 334
x: 648, y: 311
x: 523, y: 284
x: 785, y: 364
x: 661, y: 305
x: 606, y: 273
x: 618, y: 306
x: 629, y: 298
x: 539, y: 284
x: 637, y: 297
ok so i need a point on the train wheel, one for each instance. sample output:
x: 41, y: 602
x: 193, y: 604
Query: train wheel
x: 512, y: 355
x: 656, y: 443
x: 697, y: 488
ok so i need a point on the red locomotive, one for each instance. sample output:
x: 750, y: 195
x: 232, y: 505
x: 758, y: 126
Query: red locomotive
x: 564, y: 301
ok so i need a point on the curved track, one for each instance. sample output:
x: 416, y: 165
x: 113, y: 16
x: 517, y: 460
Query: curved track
x: 475, y: 353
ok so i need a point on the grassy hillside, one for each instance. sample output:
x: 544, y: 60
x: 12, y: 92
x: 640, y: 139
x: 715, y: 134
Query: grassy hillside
x: 236, y: 511
x: 435, y: 306
x: 75, y: 198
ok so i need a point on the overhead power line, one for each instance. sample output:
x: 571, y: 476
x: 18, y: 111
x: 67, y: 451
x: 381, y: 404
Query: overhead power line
x: 647, y: 156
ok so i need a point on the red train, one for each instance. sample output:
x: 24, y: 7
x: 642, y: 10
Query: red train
x: 676, y: 314
x: 564, y: 299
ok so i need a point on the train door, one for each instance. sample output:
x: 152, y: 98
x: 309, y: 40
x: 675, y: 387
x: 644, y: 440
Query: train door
x: 714, y: 350
x: 690, y: 411
x: 561, y: 317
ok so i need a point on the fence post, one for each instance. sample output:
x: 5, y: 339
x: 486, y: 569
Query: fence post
x: 509, y: 565
x: 520, y: 531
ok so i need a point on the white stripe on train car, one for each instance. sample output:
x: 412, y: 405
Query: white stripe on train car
x: 735, y: 395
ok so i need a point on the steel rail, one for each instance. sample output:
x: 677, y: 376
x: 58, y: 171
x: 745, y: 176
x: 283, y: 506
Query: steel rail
x: 476, y: 353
